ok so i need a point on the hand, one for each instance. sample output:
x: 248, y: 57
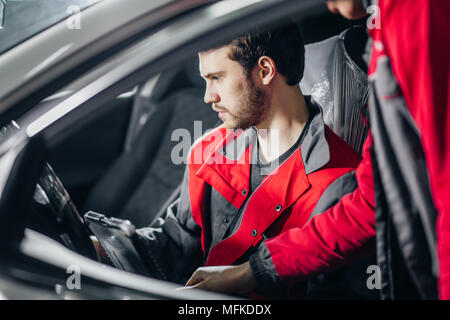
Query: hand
x: 348, y: 9
x: 226, y: 279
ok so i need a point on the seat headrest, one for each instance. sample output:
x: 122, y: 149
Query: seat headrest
x: 335, y: 76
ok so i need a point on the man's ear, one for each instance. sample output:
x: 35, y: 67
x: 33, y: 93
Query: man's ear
x: 266, y: 70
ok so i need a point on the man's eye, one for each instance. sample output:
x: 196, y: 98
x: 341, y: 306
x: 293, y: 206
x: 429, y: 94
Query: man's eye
x: 216, y: 78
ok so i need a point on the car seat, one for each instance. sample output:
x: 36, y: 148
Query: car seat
x: 336, y: 77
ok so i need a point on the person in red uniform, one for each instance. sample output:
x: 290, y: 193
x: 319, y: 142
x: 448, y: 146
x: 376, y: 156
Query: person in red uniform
x: 403, y: 193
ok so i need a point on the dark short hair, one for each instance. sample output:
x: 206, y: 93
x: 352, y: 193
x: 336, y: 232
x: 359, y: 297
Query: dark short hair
x: 284, y: 44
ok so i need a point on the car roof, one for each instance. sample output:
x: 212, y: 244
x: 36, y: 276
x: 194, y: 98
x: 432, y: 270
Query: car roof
x: 28, y: 61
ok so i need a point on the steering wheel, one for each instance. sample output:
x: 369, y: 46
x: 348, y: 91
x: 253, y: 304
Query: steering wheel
x: 54, y: 213
x: 57, y: 216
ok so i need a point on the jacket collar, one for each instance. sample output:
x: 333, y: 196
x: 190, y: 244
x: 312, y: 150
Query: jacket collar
x: 315, y: 149
x: 236, y: 149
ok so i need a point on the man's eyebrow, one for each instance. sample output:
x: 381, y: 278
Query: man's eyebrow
x: 212, y: 74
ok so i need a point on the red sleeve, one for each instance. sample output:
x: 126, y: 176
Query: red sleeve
x: 344, y: 232
x: 416, y: 34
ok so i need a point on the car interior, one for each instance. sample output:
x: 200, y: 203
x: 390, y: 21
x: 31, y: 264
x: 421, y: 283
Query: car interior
x: 120, y: 164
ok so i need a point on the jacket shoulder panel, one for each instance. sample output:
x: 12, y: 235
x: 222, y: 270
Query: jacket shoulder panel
x: 334, y: 192
x: 341, y: 153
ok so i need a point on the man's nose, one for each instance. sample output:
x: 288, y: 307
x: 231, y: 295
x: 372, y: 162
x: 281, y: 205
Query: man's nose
x: 211, y: 96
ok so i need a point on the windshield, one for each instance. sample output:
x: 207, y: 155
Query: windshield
x: 21, y: 19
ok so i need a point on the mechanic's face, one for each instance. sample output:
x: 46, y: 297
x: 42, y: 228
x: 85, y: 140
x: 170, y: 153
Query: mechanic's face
x: 350, y: 9
x: 238, y: 101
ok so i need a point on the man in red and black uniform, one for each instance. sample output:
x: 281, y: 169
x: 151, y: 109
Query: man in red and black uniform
x: 403, y: 190
x: 243, y: 186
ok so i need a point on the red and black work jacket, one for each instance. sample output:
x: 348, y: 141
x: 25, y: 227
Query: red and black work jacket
x: 216, y: 185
